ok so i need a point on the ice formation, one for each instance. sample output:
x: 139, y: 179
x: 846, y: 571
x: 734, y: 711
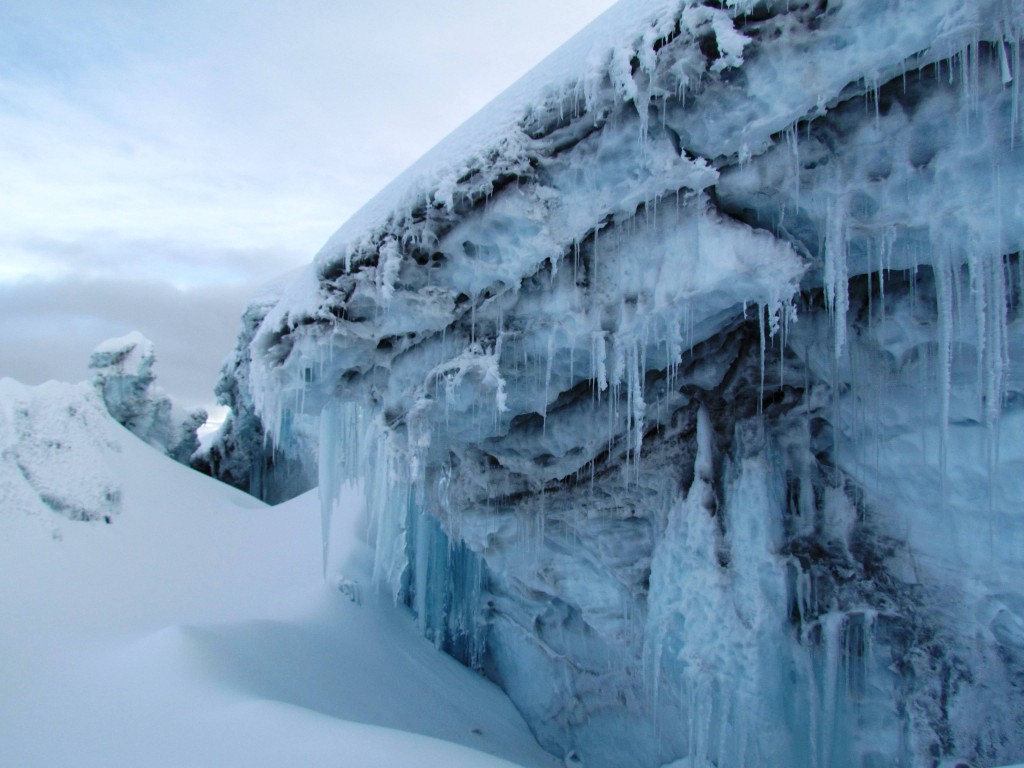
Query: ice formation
x: 241, y: 453
x: 56, y: 444
x: 684, y: 385
x: 122, y: 372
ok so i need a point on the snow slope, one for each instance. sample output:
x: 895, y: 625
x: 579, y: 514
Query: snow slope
x: 195, y: 629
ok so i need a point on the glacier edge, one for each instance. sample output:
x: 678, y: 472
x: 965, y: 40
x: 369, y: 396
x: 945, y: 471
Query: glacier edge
x: 686, y: 393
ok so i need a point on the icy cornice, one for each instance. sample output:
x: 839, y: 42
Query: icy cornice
x: 492, y: 136
x: 798, y: 75
x: 727, y: 84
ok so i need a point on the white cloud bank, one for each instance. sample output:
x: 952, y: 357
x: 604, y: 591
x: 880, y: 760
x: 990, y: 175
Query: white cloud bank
x: 163, y: 159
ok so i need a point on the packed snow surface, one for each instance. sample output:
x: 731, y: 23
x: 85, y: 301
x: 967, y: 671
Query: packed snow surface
x: 194, y: 628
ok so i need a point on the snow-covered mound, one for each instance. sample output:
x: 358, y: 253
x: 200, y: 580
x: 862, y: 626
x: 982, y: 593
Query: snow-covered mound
x: 686, y: 383
x: 197, y: 629
x: 122, y: 372
x: 56, y: 441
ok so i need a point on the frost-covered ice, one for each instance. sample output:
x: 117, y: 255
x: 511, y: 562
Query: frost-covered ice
x: 240, y: 453
x: 122, y: 372
x: 54, y: 440
x: 195, y: 629
x: 685, y: 382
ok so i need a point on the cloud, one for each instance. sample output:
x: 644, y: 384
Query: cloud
x: 48, y: 328
x: 159, y: 160
x: 185, y: 265
x: 230, y: 124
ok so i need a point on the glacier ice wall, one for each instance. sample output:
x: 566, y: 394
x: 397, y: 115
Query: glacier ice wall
x: 241, y: 453
x: 684, y: 385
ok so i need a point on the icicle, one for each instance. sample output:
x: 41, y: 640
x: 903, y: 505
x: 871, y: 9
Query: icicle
x: 832, y: 625
x: 420, y: 566
x: 1004, y: 63
x: 869, y: 620
x: 599, y: 355
x: 575, y: 262
x: 638, y: 406
x: 618, y: 370
x: 944, y: 307
x: 792, y: 139
x: 389, y: 261
x: 329, y: 482
x: 547, y: 377
x: 837, y: 296
x: 1015, y: 96
x: 804, y: 593
x: 885, y: 262
x: 472, y: 318
x: 871, y: 95
x: 978, y: 293
x: 972, y: 75
x: 761, y: 331
x: 572, y: 359
x: 1000, y: 305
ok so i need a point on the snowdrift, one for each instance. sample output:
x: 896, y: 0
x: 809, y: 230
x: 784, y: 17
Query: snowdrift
x: 155, y: 617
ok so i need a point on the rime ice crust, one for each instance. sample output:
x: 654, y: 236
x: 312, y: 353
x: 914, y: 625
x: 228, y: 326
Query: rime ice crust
x: 55, y: 444
x: 122, y: 373
x: 684, y: 385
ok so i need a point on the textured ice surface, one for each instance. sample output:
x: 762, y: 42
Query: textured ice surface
x: 684, y: 380
x: 240, y: 453
x: 122, y: 372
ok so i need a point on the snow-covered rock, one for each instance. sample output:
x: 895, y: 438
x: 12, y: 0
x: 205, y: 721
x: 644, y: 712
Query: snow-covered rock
x: 685, y: 383
x: 122, y: 372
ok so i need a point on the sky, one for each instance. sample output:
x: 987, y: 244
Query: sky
x: 161, y: 161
